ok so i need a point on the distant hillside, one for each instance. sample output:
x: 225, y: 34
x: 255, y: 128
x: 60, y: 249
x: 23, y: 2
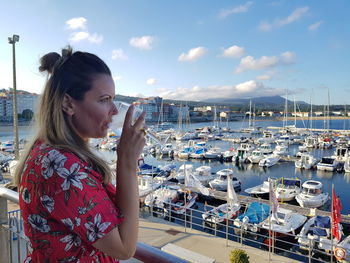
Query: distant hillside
x: 277, y: 100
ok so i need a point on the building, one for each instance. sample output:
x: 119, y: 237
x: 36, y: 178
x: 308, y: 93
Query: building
x: 25, y: 101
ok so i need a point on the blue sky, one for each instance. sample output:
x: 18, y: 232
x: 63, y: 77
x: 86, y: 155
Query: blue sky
x: 190, y: 50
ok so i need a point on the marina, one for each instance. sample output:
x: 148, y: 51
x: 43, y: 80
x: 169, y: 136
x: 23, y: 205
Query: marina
x: 160, y: 169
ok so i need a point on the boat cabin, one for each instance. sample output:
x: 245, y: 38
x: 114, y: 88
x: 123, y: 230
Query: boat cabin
x: 312, y: 187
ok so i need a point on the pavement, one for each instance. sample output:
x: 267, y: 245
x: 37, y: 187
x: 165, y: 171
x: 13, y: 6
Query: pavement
x: 157, y: 232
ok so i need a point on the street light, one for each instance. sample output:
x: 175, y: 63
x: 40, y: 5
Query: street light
x: 12, y: 40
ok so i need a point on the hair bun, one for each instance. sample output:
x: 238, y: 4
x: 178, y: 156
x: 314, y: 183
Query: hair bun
x: 48, y: 61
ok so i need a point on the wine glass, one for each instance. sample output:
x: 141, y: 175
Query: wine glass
x: 118, y: 120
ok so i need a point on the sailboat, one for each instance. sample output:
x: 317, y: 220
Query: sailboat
x: 225, y: 211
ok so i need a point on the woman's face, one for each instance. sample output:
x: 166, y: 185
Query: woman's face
x: 93, y: 114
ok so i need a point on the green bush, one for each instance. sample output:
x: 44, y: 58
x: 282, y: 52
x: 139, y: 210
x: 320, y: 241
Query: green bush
x: 239, y: 256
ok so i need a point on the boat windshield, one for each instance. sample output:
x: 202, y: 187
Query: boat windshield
x: 311, y: 191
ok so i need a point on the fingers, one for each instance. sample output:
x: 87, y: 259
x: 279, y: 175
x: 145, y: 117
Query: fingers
x: 140, y: 122
x: 128, y: 117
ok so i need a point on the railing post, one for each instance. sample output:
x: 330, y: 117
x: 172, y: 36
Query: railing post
x: 309, y: 250
x: 3, y: 232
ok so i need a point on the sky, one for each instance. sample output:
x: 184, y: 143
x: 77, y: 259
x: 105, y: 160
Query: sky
x: 190, y: 49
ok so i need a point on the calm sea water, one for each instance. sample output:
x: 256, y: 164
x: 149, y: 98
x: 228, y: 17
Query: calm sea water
x: 251, y: 175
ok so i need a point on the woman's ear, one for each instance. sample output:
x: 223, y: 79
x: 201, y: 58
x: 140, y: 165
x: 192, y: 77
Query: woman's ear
x: 68, y: 105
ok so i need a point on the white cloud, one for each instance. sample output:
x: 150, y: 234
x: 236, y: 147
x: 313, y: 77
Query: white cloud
x: 144, y: 42
x: 263, y: 77
x: 77, y: 23
x: 193, y: 54
x: 151, y: 81
x: 236, y: 10
x: 315, y: 26
x: 293, y: 17
x: 246, y: 89
x: 265, y: 62
x: 83, y: 35
x: 119, y: 54
x: 233, y: 52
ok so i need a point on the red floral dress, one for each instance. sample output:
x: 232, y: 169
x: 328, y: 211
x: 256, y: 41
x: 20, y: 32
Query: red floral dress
x: 65, y: 207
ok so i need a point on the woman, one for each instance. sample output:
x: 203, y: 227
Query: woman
x: 71, y: 211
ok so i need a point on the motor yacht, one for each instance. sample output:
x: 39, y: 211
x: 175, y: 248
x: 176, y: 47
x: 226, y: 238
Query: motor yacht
x: 220, y: 182
x: 256, y: 156
x: 261, y: 190
x: 203, y: 174
x: 328, y: 163
x: 161, y: 196
x: 307, y: 161
x: 311, y: 195
x: 283, y: 224
x: 287, y: 189
x: 269, y: 160
x: 147, y: 184
x: 317, y: 233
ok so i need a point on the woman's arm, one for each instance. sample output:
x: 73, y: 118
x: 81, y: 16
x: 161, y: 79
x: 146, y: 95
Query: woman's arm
x: 121, y: 242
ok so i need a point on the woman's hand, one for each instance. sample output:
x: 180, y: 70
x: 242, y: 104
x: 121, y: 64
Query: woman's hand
x: 132, y: 140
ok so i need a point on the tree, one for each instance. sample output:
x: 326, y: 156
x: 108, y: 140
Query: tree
x: 27, y: 114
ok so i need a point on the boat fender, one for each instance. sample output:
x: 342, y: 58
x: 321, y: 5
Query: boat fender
x: 339, y: 253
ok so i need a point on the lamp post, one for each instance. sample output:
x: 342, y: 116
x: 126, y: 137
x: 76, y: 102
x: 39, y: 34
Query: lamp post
x: 12, y: 40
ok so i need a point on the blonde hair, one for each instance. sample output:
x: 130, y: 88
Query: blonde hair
x: 73, y: 74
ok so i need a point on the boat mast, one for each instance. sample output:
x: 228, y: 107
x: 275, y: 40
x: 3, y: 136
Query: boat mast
x: 250, y: 114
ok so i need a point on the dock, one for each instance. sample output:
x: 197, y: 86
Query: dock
x: 246, y: 200
x: 344, y: 132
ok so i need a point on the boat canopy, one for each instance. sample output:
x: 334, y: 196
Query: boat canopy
x: 321, y: 224
x: 256, y: 212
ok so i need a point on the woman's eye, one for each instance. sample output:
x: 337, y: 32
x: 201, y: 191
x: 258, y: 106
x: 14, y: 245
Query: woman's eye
x: 105, y: 100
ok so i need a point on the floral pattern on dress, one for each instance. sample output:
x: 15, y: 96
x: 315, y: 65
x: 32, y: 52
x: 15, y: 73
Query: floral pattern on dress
x: 52, y: 162
x: 65, y: 207
x: 96, y: 229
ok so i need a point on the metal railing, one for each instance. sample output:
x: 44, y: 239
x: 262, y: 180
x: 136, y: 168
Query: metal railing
x: 287, y: 246
x: 14, y: 244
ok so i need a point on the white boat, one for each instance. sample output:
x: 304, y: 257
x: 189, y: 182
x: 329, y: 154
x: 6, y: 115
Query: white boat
x: 203, y: 174
x: 183, y: 201
x: 307, y: 161
x: 328, y: 164
x: 347, y: 165
x: 317, y: 233
x: 180, y: 174
x: 266, y: 148
x: 225, y: 211
x: 269, y: 160
x: 341, y: 153
x: 220, y: 182
x: 283, y: 222
x: 213, y: 153
x: 287, y: 189
x: 147, y: 184
x: 281, y: 149
x: 311, y: 142
x: 256, y: 156
x: 268, y: 137
x: 312, y: 195
x: 261, y: 190
x: 249, y: 220
x: 161, y: 196
x: 243, y: 152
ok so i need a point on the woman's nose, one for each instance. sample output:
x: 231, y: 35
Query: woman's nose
x: 114, y: 109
